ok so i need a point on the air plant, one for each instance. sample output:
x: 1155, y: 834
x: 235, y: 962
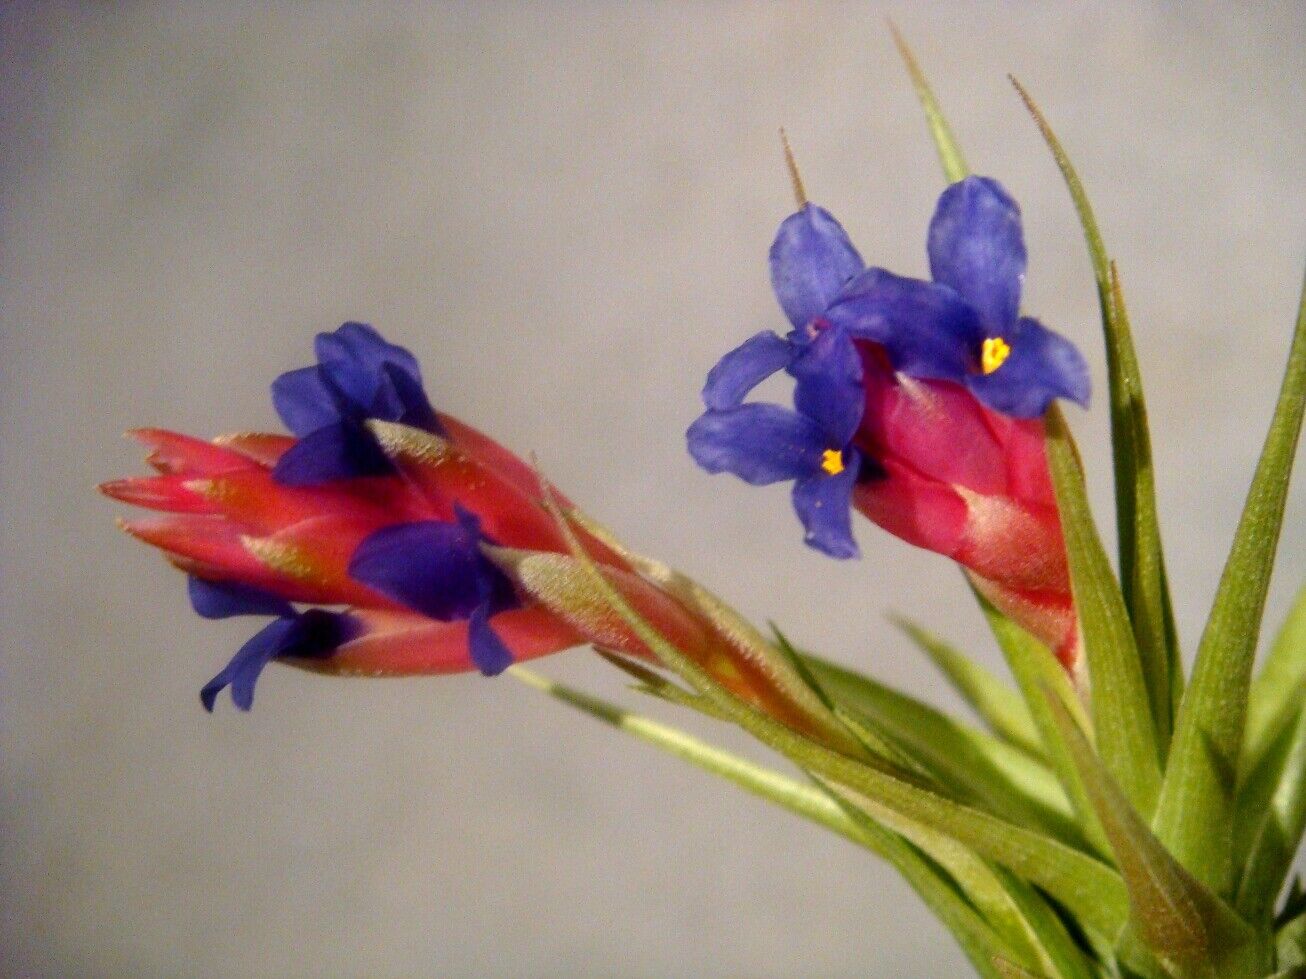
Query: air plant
x: 1111, y: 817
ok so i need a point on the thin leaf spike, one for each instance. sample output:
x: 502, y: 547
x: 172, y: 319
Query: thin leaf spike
x: 994, y: 701
x: 976, y: 937
x: 1196, y: 812
x: 954, y: 164
x: 1035, y: 668
x: 1280, y: 823
x: 1142, y: 563
x: 795, y: 178
x: 1279, y: 688
x: 1122, y: 716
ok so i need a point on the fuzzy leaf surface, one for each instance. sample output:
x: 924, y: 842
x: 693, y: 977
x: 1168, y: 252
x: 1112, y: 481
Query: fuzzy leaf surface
x: 1196, y: 812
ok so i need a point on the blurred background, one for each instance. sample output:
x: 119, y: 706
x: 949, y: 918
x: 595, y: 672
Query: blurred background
x: 564, y: 210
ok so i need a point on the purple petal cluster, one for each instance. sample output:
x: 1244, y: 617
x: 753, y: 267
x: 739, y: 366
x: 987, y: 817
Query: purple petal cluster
x: 436, y: 567
x: 312, y: 634
x: 812, y: 261
x: 359, y: 375
x: 963, y: 327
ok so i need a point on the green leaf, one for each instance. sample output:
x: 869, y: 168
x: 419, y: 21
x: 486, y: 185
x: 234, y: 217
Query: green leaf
x: 785, y: 792
x: 1016, y: 911
x: 1184, y: 924
x: 954, y: 164
x: 977, y: 937
x: 556, y: 581
x: 1195, y: 815
x: 1088, y: 888
x: 1280, y: 687
x: 1009, y: 970
x: 954, y: 903
x: 969, y: 764
x: 1142, y: 563
x: 1062, y: 957
x: 1294, y: 903
x: 1275, y: 834
x: 1036, y: 669
x: 1290, y: 942
x: 1122, y: 713
x: 1000, y: 707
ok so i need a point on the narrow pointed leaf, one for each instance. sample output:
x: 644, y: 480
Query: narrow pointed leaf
x: 1036, y: 669
x: 969, y: 764
x: 984, y: 886
x: 1009, y: 970
x: 785, y: 792
x: 999, y: 706
x: 1280, y: 687
x: 1290, y: 943
x: 1278, y: 832
x: 977, y: 938
x: 1195, y: 816
x: 1142, y: 564
x: 1183, y: 923
x: 945, y: 895
x: 954, y: 164
x: 1062, y: 956
x: 1088, y: 888
x: 1122, y: 713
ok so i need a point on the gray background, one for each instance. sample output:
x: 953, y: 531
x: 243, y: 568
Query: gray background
x: 564, y: 211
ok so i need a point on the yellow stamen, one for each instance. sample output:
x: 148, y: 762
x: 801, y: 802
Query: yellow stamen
x: 994, y: 354
x: 832, y: 461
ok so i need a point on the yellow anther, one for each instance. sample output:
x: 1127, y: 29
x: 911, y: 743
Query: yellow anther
x: 994, y: 354
x: 832, y: 461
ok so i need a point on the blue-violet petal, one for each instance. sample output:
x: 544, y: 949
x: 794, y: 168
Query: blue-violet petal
x: 976, y: 246
x: 759, y: 443
x: 824, y: 505
x: 1042, y: 365
x: 744, y: 368
x: 811, y: 259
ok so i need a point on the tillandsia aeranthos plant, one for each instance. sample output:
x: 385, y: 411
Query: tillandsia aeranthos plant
x: 1111, y: 817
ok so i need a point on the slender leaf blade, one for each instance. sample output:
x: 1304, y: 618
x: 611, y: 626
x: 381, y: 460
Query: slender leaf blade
x: 1009, y: 970
x: 1196, y: 811
x: 1279, y: 688
x: 1090, y: 889
x: 1278, y: 832
x: 1142, y: 563
x: 999, y: 706
x: 977, y: 937
x: 1036, y: 669
x: 950, y: 156
x: 973, y: 766
x: 949, y: 898
x: 1122, y: 713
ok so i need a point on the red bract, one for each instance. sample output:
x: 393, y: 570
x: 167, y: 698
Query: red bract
x: 228, y: 522
x: 971, y: 484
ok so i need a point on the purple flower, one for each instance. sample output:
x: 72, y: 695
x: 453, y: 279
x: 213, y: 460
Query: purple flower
x: 965, y: 326
x: 312, y: 634
x: 359, y: 375
x: 436, y: 567
x: 765, y: 443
